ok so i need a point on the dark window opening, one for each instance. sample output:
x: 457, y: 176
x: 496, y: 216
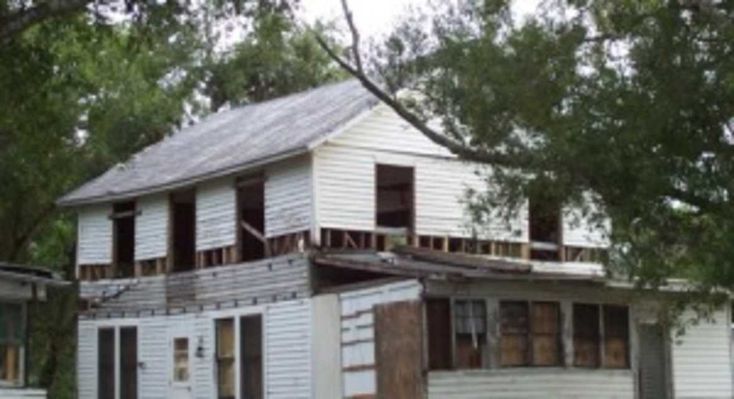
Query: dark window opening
x: 616, y: 336
x: 225, y: 358
x: 470, y: 327
x: 530, y: 334
x: 586, y: 335
x: 251, y: 357
x: 123, y: 217
x: 183, y: 230
x: 251, y: 217
x: 12, y: 340
x: 395, y: 198
x: 106, y: 363
x: 128, y: 363
x: 545, y: 228
x: 438, y: 315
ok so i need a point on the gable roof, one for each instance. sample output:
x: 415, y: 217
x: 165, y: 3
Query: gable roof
x: 230, y: 141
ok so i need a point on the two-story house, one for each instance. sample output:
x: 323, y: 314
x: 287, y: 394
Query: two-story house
x: 317, y: 246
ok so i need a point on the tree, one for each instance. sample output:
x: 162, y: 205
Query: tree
x: 631, y: 101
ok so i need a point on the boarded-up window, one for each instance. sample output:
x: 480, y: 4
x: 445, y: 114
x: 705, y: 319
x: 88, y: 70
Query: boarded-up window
x: 616, y: 336
x: 106, y: 363
x: 470, y: 327
x: 399, y: 350
x: 438, y: 314
x: 530, y: 334
x: 225, y: 358
x: 394, y: 196
x: 514, y: 334
x: 586, y: 335
x: 11, y: 342
x: 128, y: 363
x: 546, y: 334
x: 251, y: 360
x: 181, y: 359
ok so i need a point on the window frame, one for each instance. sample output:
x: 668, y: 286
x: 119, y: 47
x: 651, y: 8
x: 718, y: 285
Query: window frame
x: 20, y: 344
x: 174, y: 366
x: 530, y: 335
x: 601, y: 338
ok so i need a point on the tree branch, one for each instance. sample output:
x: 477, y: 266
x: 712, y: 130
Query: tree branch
x: 17, y: 22
x: 455, y: 147
x: 355, y: 36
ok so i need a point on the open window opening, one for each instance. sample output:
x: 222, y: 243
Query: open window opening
x: 183, y: 230
x: 117, y: 364
x: 545, y: 228
x: 470, y: 329
x: 601, y: 336
x: 253, y: 244
x: 123, y: 217
x: 395, y: 199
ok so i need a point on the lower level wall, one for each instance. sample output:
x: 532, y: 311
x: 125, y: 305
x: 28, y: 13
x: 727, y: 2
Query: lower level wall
x: 10, y: 393
x: 542, y: 383
x: 286, y: 351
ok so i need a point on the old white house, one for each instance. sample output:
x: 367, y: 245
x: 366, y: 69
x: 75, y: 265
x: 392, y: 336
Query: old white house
x: 316, y: 246
x: 19, y: 287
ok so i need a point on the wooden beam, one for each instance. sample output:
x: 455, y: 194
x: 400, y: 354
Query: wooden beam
x: 257, y: 234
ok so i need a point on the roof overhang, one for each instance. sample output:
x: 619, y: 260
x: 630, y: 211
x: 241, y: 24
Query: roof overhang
x: 31, y: 274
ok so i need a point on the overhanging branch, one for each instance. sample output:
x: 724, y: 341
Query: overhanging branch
x: 17, y: 22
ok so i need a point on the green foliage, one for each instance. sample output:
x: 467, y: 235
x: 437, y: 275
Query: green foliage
x: 632, y: 101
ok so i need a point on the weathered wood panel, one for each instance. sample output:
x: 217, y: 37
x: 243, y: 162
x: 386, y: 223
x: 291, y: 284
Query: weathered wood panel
x: 262, y: 281
x: 288, y: 205
x: 701, y: 358
x: 86, y: 366
x: 357, y: 332
x: 288, y: 350
x: 94, y: 235
x: 21, y: 393
x: 581, y: 230
x: 399, y: 350
x: 539, y: 383
x: 151, y: 228
x: 215, y: 215
x: 326, y: 346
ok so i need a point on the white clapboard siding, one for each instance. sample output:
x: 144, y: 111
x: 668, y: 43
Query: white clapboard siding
x: 288, y: 197
x: 581, y: 230
x: 288, y: 350
x: 702, y: 358
x: 151, y: 227
x: 384, y: 130
x: 357, y: 335
x: 23, y: 393
x: 94, y: 242
x: 203, y: 368
x: 345, y: 187
x: 441, y: 202
x: 86, y: 360
x: 154, y: 353
x: 215, y: 215
x: 534, y: 383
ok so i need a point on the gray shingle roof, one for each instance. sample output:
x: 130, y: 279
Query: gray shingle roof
x: 230, y: 141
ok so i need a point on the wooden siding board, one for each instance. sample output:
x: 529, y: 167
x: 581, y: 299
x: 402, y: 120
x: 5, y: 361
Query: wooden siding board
x: 215, y: 215
x: 288, y: 197
x: 537, y: 383
x: 288, y: 350
x: 94, y: 235
x: 701, y: 358
x: 579, y: 230
x: 86, y: 368
x: 151, y: 228
x: 399, y: 349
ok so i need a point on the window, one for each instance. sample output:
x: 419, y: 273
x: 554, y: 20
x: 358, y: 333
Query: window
x: 128, y: 363
x: 545, y: 228
x: 181, y: 359
x: 470, y: 327
x: 589, y: 346
x: 108, y: 384
x: 251, y: 216
x: 530, y: 334
x: 12, y: 336
x: 438, y: 315
x: 123, y: 217
x: 183, y: 230
x: 394, y: 197
x: 251, y: 357
x: 225, y: 357
x: 106, y: 363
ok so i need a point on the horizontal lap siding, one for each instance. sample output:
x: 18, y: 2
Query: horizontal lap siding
x: 580, y: 230
x: 215, y: 215
x: 94, y: 242
x: 86, y: 359
x: 531, y: 384
x: 702, y: 358
x: 288, y: 350
x: 288, y: 197
x: 357, y: 332
x: 151, y: 228
x: 155, y: 353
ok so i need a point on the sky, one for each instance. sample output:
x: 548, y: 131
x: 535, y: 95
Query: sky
x: 374, y: 17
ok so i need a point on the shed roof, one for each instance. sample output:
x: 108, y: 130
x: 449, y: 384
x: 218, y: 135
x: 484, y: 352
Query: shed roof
x: 230, y: 141
x: 30, y: 274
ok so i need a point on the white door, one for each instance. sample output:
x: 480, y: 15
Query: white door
x: 181, y: 345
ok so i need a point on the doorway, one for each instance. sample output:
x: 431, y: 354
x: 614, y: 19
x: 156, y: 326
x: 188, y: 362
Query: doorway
x: 653, y: 372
